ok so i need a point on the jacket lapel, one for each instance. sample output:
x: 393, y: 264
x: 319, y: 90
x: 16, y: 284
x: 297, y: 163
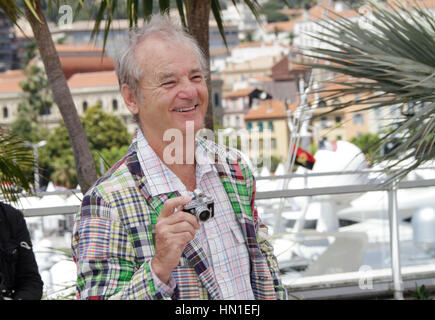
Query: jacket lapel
x: 194, y: 251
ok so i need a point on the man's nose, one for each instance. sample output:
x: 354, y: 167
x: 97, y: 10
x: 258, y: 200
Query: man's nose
x: 188, y: 90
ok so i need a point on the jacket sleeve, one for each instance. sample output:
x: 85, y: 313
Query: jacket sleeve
x: 265, y: 246
x: 105, y: 258
x: 28, y: 283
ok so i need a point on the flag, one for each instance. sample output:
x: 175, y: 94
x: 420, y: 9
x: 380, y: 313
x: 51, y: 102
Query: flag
x: 304, y: 158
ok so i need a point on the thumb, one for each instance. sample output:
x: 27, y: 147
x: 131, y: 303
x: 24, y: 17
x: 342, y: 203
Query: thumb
x: 171, y: 204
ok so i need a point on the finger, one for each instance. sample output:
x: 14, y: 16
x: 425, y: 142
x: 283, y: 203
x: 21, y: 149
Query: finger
x: 181, y: 227
x: 180, y: 240
x: 171, y: 204
x: 182, y: 216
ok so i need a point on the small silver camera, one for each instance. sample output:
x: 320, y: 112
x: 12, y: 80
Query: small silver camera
x: 201, y: 206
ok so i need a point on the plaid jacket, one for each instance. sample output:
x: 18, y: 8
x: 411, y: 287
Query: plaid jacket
x: 113, y: 241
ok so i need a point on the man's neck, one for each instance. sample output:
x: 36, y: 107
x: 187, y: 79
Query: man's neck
x: 183, y: 167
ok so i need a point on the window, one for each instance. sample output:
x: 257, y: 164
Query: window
x: 115, y: 105
x: 237, y: 121
x: 273, y: 143
x: 270, y: 125
x: 338, y: 119
x: 260, y: 126
x: 358, y: 118
x: 324, y: 122
x: 217, y: 100
x: 85, y: 106
x: 45, y: 111
x: 322, y: 104
x: 5, y: 112
x: 249, y: 125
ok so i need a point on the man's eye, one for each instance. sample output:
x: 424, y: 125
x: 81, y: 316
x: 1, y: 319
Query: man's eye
x: 197, y: 77
x: 168, y: 83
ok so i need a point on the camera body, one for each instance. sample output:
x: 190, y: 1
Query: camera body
x: 201, y: 206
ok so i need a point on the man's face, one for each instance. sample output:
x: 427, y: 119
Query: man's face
x: 172, y: 88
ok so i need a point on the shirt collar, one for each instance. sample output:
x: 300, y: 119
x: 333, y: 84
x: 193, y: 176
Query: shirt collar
x: 160, y: 178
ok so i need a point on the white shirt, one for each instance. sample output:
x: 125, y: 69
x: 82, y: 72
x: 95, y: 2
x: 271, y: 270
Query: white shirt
x: 221, y: 236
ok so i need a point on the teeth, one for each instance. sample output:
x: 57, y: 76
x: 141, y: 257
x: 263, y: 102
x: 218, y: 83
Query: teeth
x: 186, y: 109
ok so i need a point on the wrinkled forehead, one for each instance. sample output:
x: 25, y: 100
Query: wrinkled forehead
x: 155, y: 56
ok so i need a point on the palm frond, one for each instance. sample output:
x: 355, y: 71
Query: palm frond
x: 391, y: 63
x: 15, y: 158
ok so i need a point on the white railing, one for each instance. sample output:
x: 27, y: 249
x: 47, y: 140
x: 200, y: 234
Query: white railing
x: 343, y: 283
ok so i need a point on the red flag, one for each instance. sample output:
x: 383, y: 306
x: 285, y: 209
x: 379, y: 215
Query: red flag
x: 304, y: 158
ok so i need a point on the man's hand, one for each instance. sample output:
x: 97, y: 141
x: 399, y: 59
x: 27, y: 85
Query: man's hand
x: 174, y: 229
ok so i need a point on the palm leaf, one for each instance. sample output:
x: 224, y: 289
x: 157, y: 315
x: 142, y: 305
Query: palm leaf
x: 15, y: 159
x: 392, y: 63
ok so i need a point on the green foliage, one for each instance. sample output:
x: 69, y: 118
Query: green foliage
x: 30, y: 52
x: 420, y: 293
x: 391, y: 63
x: 368, y: 143
x: 15, y: 161
x: 107, y: 136
x: 104, y: 130
x: 272, y: 165
x: 37, y: 99
x: 271, y: 10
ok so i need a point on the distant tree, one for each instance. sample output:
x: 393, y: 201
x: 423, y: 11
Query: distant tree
x: 368, y: 143
x: 271, y: 10
x: 30, y: 52
x: 107, y: 135
x: 33, y: 12
x: 36, y: 102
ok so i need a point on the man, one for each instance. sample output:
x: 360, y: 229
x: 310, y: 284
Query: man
x: 19, y: 276
x: 131, y: 239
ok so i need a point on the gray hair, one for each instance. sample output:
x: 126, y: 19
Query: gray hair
x: 127, y: 69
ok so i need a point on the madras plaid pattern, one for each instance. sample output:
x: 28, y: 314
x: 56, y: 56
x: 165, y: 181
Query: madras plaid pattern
x: 220, y: 237
x: 113, y: 237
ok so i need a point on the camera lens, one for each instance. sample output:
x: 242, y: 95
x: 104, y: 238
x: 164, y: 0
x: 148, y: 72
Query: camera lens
x: 204, y: 215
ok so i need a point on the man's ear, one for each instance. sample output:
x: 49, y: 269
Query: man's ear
x: 130, y: 99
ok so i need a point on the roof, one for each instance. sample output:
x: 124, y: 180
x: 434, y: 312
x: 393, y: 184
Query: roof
x: 93, y: 79
x: 10, y: 85
x: 61, y: 48
x: 78, y: 80
x: 10, y: 80
x: 78, y: 64
x: 279, y: 26
x: 325, y: 9
x: 238, y: 93
x: 262, y: 78
x: 12, y: 74
x: 270, y: 109
x: 81, y: 58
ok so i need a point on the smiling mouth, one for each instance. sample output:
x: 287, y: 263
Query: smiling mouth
x: 186, y: 109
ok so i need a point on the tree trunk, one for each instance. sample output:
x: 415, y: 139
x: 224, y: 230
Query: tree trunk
x: 85, y: 167
x: 198, y: 13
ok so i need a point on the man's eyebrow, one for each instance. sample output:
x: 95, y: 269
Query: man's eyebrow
x: 195, y: 70
x: 165, y: 76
